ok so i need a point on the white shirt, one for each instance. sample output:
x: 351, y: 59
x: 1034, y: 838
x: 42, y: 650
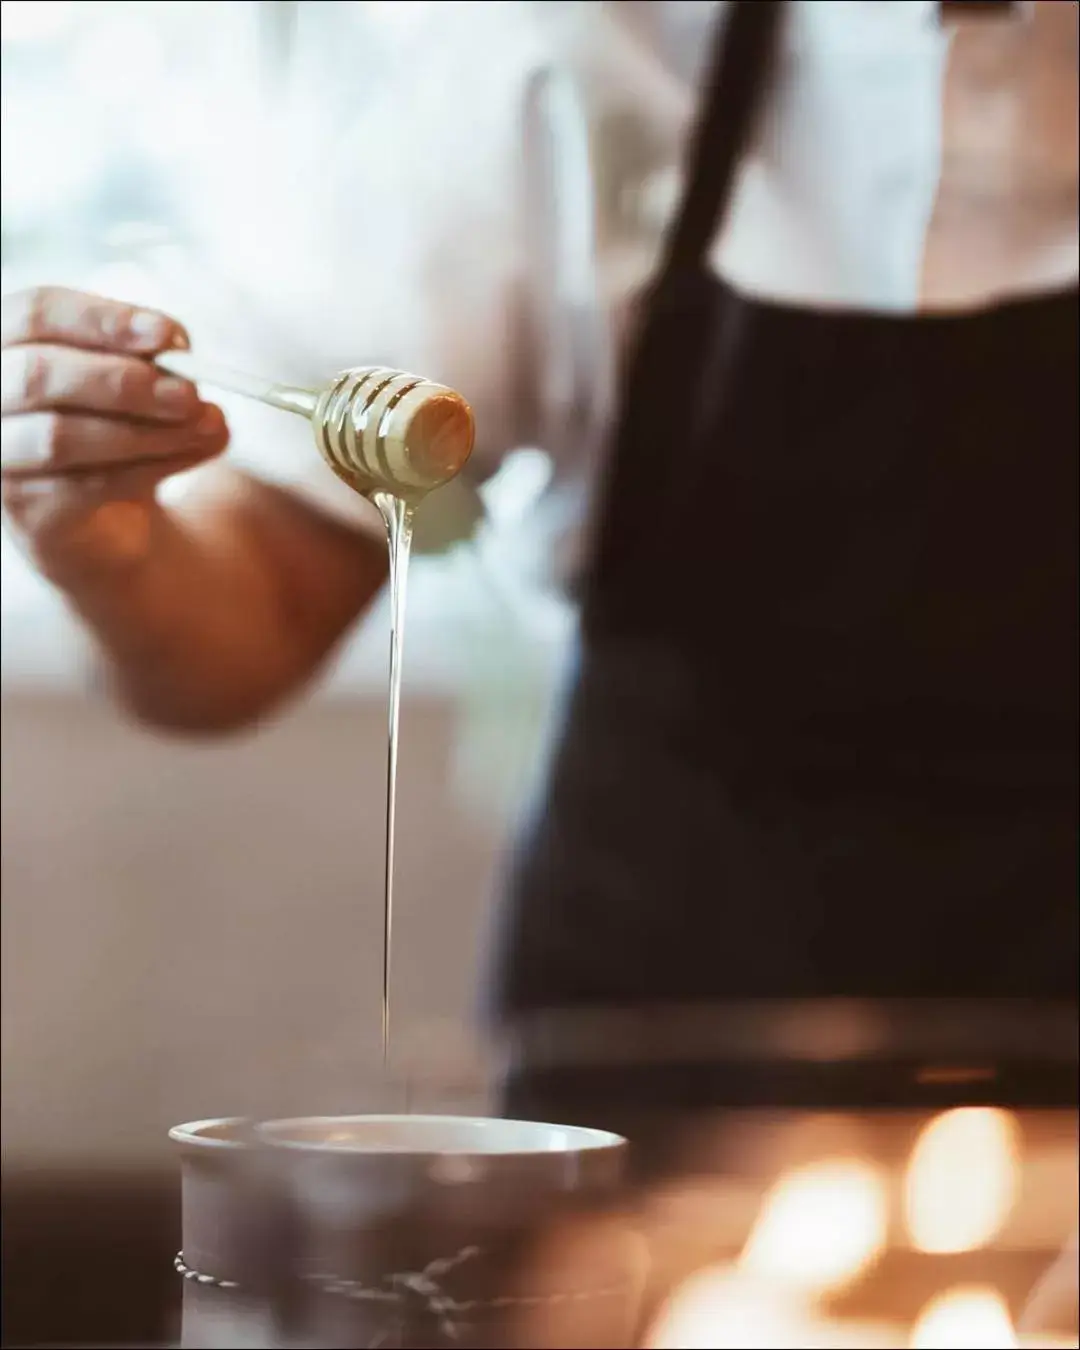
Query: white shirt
x: 398, y: 205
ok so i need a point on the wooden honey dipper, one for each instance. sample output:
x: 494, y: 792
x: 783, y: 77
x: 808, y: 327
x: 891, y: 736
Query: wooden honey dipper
x: 380, y: 430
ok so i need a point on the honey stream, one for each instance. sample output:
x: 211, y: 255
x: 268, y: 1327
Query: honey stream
x: 397, y: 516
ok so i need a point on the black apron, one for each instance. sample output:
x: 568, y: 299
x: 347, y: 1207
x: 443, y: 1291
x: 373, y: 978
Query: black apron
x: 821, y: 736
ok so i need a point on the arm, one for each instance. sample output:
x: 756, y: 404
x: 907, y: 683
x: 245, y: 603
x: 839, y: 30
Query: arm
x: 206, y: 614
x: 233, y: 601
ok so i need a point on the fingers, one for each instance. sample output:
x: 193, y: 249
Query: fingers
x: 52, y: 314
x: 41, y: 377
x: 54, y: 444
x: 79, y: 397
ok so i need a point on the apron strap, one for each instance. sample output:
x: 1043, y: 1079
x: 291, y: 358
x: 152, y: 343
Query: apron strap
x: 743, y: 45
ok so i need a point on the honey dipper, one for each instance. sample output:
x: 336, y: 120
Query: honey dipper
x: 380, y: 430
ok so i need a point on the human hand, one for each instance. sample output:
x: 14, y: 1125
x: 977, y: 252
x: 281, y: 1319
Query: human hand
x: 90, y: 426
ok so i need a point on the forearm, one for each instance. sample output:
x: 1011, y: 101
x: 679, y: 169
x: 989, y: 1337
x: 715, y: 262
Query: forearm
x: 235, y: 601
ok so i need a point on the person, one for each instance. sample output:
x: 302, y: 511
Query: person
x: 820, y: 735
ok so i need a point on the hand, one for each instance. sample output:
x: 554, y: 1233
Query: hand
x: 90, y: 427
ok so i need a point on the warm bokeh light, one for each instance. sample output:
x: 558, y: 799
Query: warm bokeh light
x: 720, y: 1309
x: 961, y: 1179
x: 820, y: 1226
x: 964, y: 1319
x: 723, y: 1307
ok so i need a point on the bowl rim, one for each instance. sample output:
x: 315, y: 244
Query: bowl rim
x: 585, y: 1141
x: 195, y: 1134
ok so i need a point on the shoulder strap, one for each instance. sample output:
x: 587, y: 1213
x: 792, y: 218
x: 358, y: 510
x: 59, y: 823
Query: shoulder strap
x: 743, y: 46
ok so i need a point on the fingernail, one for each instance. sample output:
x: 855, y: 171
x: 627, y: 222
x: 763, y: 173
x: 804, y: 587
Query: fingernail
x: 210, y: 423
x: 174, y: 396
x: 148, y: 329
